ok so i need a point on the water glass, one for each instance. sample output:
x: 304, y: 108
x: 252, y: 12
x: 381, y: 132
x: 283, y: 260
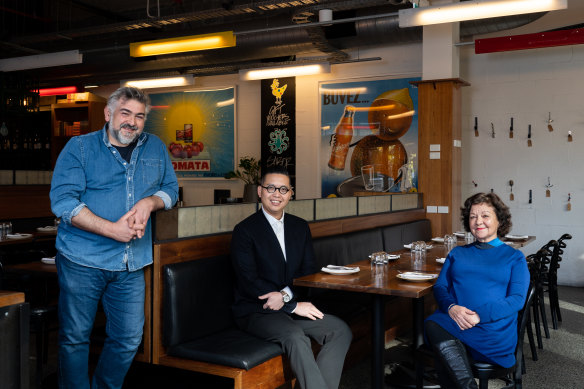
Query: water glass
x: 418, y: 260
x: 367, y: 173
x: 469, y: 238
x: 379, y: 258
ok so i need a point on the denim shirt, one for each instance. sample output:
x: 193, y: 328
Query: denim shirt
x: 91, y: 173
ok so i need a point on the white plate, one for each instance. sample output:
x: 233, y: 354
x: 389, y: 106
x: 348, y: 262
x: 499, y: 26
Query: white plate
x: 18, y: 236
x: 516, y: 237
x: 417, y: 277
x: 48, y: 261
x: 460, y: 234
x: 343, y: 270
x: 47, y: 229
x: 438, y: 240
x: 440, y: 260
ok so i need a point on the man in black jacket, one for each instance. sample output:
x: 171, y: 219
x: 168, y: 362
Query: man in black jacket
x: 268, y: 250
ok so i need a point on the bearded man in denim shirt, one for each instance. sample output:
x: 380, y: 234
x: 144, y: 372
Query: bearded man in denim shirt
x: 105, y: 186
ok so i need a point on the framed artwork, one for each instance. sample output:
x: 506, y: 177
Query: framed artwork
x: 198, y: 128
x: 369, y: 136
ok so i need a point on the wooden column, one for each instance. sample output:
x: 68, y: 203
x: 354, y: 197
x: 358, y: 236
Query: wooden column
x: 439, y: 172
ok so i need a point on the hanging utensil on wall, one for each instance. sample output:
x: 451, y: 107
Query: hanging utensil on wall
x: 529, y: 136
x: 476, y: 126
x: 550, y: 128
x: 511, y: 196
x: 569, y: 205
x: 547, y: 190
x: 530, y: 196
x: 492, y: 130
x: 511, y: 130
x: 569, y: 136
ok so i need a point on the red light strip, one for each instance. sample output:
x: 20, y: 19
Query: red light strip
x: 530, y: 41
x: 57, y: 91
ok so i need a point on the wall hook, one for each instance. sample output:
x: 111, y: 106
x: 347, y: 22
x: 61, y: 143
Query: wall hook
x: 474, y: 183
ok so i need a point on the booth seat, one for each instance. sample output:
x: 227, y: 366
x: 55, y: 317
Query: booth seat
x: 198, y: 329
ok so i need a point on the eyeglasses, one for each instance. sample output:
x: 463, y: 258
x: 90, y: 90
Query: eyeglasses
x: 271, y: 189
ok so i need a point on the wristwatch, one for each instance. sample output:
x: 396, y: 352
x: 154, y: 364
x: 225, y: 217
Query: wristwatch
x: 285, y: 297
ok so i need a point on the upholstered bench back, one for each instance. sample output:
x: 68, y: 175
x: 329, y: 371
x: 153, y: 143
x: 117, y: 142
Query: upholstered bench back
x: 197, y: 299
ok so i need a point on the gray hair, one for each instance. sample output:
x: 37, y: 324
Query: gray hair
x: 126, y: 93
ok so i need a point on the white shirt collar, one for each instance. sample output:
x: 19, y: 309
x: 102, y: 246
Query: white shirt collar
x: 272, y: 220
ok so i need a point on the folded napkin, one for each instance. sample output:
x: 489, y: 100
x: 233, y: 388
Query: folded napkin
x: 509, y: 236
x: 412, y: 275
x: 48, y: 261
x: 440, y: 260
x: 409, y: 246
x: 334, y: 269
x: 438, y: 240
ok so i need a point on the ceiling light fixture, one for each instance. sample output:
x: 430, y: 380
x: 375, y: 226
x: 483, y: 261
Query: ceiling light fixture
x: 474, y: 9
x: 60, y: 58
x: 63, y: 90
x: 149, y: 83
x: 183, y: 44
x: 285, y: 71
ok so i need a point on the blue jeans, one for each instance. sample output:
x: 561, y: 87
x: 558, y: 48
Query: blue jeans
x: 122, y: 297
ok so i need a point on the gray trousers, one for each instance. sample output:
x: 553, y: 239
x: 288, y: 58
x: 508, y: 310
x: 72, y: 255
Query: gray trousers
x: 293, y: 333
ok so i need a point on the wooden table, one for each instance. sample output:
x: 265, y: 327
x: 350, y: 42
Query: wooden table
x: 381, y: 281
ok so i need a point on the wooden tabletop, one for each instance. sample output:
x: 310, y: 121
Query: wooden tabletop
x: 10, y: 298
x: 382, y: 279
x: 34, y: 236
x: 35, y: 267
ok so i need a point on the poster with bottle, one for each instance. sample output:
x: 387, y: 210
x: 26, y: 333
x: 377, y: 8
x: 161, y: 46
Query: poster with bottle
x: 369, y: 136
x: 198, y: 128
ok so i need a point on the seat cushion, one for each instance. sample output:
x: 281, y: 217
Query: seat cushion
x: 231, y: 347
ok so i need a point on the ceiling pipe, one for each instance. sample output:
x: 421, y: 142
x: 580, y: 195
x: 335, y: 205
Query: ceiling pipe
x: 254, y: 46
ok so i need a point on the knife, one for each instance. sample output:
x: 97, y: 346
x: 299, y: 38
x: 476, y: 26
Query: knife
x: 511, y: 129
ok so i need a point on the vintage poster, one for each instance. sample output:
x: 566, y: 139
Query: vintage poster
x: 278, y: 113
x: 198, y: 128
x: 369, y: 136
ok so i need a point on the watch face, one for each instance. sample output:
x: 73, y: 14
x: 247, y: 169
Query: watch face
x: 286, y: 297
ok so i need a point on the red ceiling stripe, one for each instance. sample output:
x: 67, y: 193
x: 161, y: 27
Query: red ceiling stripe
x: 530, y: 41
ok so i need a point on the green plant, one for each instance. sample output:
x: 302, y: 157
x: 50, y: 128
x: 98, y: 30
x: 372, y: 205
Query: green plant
x: 249, y: 173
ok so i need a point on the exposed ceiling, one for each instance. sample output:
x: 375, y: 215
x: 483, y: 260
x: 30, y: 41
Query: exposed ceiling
x: 272, y: 31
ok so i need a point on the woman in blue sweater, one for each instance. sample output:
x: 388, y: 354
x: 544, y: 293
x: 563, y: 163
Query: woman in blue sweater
x: 480, y: 289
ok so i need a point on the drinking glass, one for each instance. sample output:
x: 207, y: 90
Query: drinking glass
x: 469, y: 238
x: 367, y: 173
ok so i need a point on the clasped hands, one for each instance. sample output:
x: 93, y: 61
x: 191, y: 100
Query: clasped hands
x: 133, y: 224
x: 274, y: 302
x: 464, y: 317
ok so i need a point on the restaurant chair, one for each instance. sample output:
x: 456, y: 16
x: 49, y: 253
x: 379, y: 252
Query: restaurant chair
x: 538, y: 265
x: 485, y: 371
x: 551, y: 280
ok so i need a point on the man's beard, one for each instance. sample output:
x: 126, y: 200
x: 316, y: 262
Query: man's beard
x: 117, y: 133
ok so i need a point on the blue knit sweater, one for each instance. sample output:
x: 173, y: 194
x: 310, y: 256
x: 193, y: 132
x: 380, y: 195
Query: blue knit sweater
x: 493, y: 282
